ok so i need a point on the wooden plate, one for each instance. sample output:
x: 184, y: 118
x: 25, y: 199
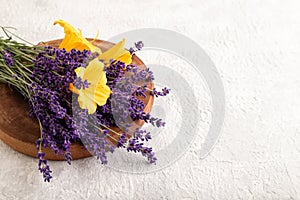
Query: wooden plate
x: 20, y: 131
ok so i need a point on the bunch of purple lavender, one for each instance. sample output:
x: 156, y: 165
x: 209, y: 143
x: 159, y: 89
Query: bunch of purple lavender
x: 43, y: 76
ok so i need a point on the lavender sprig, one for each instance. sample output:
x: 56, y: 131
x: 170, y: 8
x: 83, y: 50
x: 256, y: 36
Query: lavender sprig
x: 44, y: 167
x: 138, y: 46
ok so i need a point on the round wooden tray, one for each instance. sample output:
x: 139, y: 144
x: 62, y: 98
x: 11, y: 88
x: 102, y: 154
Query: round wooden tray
x: 20, y: 131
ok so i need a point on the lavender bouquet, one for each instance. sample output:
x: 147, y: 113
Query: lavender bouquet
x: 78, y: 93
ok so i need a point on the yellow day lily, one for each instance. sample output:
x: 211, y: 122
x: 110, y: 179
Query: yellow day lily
x: 74, y: 40
x: 97, y: 92
x: 117, y: 52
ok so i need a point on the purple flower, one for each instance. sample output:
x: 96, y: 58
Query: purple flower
x: 141, y: 91
x: 44, y: 167
x: 139, y: 134
x: 136, y: 146
x: 122, y: 140
x: 51, y: 96
x: 139, y: 45
x: 165, y: 91
x: 131, y: 50
x: 68, y: 157
x: 81, y: 84
x: 8, y: 57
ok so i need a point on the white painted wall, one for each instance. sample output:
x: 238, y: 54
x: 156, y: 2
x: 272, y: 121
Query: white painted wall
x: 255, y: 45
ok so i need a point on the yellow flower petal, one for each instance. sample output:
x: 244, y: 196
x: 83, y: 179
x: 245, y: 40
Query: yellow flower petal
x: 97, y: 92
x: 80, y: 71
x: 86, y: 103
x: 117, y: 52
x: 74, y: 39
x: 102, y: 94
x: 95, y: 72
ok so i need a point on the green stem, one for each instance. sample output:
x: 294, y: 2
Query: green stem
x: 6, y: 31
x: 103, y: 130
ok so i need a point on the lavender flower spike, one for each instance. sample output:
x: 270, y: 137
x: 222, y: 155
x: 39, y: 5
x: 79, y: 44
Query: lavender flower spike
x: 44, y: 167
x: 8, y: 57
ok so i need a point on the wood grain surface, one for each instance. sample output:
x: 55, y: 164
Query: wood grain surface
x: 20, y: 131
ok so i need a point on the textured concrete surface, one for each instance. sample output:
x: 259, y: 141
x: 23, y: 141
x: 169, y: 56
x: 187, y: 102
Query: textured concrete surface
x: 255, y: 45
